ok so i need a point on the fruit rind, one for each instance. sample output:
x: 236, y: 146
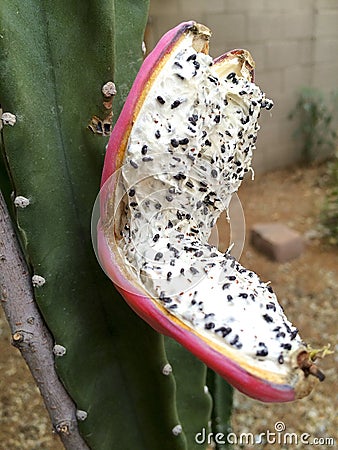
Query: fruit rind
x: 262, y: 385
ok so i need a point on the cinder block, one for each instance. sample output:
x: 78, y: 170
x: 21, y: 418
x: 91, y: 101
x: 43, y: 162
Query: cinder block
x: 277, y: 241
x: 282, y: 54
x: 326, y: 23
x: 227, y: 27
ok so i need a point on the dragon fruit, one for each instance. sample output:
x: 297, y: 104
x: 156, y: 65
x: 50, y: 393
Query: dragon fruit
x: 178, y: 152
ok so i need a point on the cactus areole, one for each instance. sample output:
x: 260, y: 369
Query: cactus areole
x: 178, y: 152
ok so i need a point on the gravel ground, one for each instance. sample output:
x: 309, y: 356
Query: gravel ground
x: 307, y: 289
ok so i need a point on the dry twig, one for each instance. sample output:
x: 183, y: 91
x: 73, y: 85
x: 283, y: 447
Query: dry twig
x: 30, y: 334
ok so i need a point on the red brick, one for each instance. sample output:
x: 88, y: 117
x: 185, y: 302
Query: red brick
x: 277, y: 241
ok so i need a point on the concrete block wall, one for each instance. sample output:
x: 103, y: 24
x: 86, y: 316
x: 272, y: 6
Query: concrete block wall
x: 294, y: 44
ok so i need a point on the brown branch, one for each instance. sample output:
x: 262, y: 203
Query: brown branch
x: 30, y: 334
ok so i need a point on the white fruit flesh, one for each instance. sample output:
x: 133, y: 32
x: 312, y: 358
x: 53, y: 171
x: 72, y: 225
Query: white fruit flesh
x: 187, y: 153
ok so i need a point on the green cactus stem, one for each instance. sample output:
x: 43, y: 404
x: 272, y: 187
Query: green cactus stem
x: 56, y: 56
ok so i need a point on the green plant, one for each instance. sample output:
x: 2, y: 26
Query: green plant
x: 56, y: 56
x: 315, y: 128
x: 329, y: 215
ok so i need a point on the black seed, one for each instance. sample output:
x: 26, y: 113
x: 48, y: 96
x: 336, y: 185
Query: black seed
x: 191, y: 57
x: 229, y: 298
x: 223, y: 148
x: 188, y: 216
x: 147, y: 159
x: 245, y: 120
x: 184, y: 141
x: 176, y: 63
x: 280, y: 334
x: 203, y: 189
x: 293, y: 334
x: 158, y: 205
x: 213, y: 80
x: 160, y: 100
x: 169, y: 274
x: 198, y: 254
x: 196, y: 64
x: 224, y: 330
x: 193, y: 270
x: 170, y: 224
x: 157, y: 134
x: 217, y: 118
x: 280, y: 359
x: 198, y: 204
x: 173, y: 306
x: 144, y: 150
x: 240, y: 134
x: 179, y: 215
x: 133, y: 164
x: 243, y: 295
x: 226, y: 286
x: 180, y: 176
x: 286, y: 346
x: 207, y: 142
x: 270, y: 289
x: 209, y: 326
x: 174, y: 143
x: 169, y: 198
x: 182, y: 271
x: 228, y: 133
x: 235, y: 340
x: 271, y: 306
x: 175, y: 104
x: 168, y: 300
x: 131, y: 192
x: 156, y: 237
x: 133, y: 204
x: 158, y: 256
x: 232, y: 278
x: 137, y: 215
x: 263, y: 352
x: 193, y: 119
x: 267, y: 318
x: 231, y: 75
x: 214, y: 173
x: 213, y: 255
